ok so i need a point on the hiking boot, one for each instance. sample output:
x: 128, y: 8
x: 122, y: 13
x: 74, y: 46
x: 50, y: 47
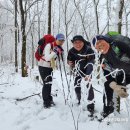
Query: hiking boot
x: 119, y: 89
x: 90, y: 108
x: 52, y: 103
x: 49, y: 102
x: 78, y: 102
x: 46, y: 105
x: 105, y: 114
x: 107, y: 110
x: 78, y: 94
x: 78, y: 97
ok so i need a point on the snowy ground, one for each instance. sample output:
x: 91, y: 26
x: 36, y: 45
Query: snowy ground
x: 29, y: 114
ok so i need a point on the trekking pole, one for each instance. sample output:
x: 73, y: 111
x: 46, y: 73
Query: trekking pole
x: 62, y: 79
x: 68, y: 82
x: 96, y: 90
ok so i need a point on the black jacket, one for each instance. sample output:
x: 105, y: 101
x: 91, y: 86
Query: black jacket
x: 73, y: 55
x: 116, y: 61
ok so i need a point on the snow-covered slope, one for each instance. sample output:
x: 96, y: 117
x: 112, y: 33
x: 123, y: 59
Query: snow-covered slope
x: 29, y: 114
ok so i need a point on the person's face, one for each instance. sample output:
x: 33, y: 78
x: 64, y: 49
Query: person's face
x: 78, y: 45
x: 60, y: 42
x: 102, y: 46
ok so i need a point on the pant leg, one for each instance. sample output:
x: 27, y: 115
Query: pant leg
x: 77, y: 83
x: 127, y: 79
x: 90, y: 98
x: 46, y: 75
x: 108, y: 106
x: 108, y: 94
x: 90, y: 93
x: 119, y: 79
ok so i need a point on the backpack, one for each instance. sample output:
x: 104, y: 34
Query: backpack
x: 47, y: 39
x: 115, y: 36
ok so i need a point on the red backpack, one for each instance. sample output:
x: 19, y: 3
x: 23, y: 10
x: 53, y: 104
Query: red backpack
x: 41, y: 45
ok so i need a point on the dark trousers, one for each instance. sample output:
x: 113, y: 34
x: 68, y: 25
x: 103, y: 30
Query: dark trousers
x: 78, y: 79
x: 108, y: 96
x: 46, y: 75
x: 77, y: 83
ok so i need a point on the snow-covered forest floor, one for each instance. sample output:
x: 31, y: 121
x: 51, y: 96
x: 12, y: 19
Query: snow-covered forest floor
x: 29, y: 114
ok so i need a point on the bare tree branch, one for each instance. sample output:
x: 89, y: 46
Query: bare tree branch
x: 82, y: 20
x: 32, y: 5
x: 9, y: 10
x: 21, y: 99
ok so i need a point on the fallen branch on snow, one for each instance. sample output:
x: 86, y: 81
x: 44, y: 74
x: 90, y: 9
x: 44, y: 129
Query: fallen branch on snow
x: 4, y: 83
x: 21, y: 99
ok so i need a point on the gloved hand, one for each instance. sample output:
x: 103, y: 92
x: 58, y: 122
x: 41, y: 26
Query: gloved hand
x: 58, y: 50
x: 70, y: 63
x: 87, y: 78
x: 119, y: 89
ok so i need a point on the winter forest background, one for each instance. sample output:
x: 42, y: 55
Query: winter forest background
x: 24, y: 22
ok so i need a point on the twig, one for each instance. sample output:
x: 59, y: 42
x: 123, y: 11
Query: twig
x: 86, y: 55
x: 4, y: 83
x: 2, y: 74
x: 97, y: 90
x: 72, y: 116
x: 78, y: 119
x: 21, y: 99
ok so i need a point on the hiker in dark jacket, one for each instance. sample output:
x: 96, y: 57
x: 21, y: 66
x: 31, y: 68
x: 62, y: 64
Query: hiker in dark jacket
x: 51, y: 51
x: 78, y: 54
x: 117, y: 56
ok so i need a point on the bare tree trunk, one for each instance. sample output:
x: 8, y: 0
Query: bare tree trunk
x: 38, y: 21
x: 1, y: 44
x: 23, y: 23
x: 32, y: 53
x: 59, y: 16
x: 127, y: 23
x: 49, y: 16
x: 16, y: 38
x: 66, y: 24
x: 120, y: 15
x: 67, y: 21
x: 82, y: 19
x: 96, y: 14
x: 108, y: 14
x: 32, y: 31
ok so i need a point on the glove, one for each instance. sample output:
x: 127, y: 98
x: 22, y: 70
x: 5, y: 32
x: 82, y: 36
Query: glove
x: 87, y: 78
x: 120, y: 90
x: 70, y: 63
x: 58, y: 50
